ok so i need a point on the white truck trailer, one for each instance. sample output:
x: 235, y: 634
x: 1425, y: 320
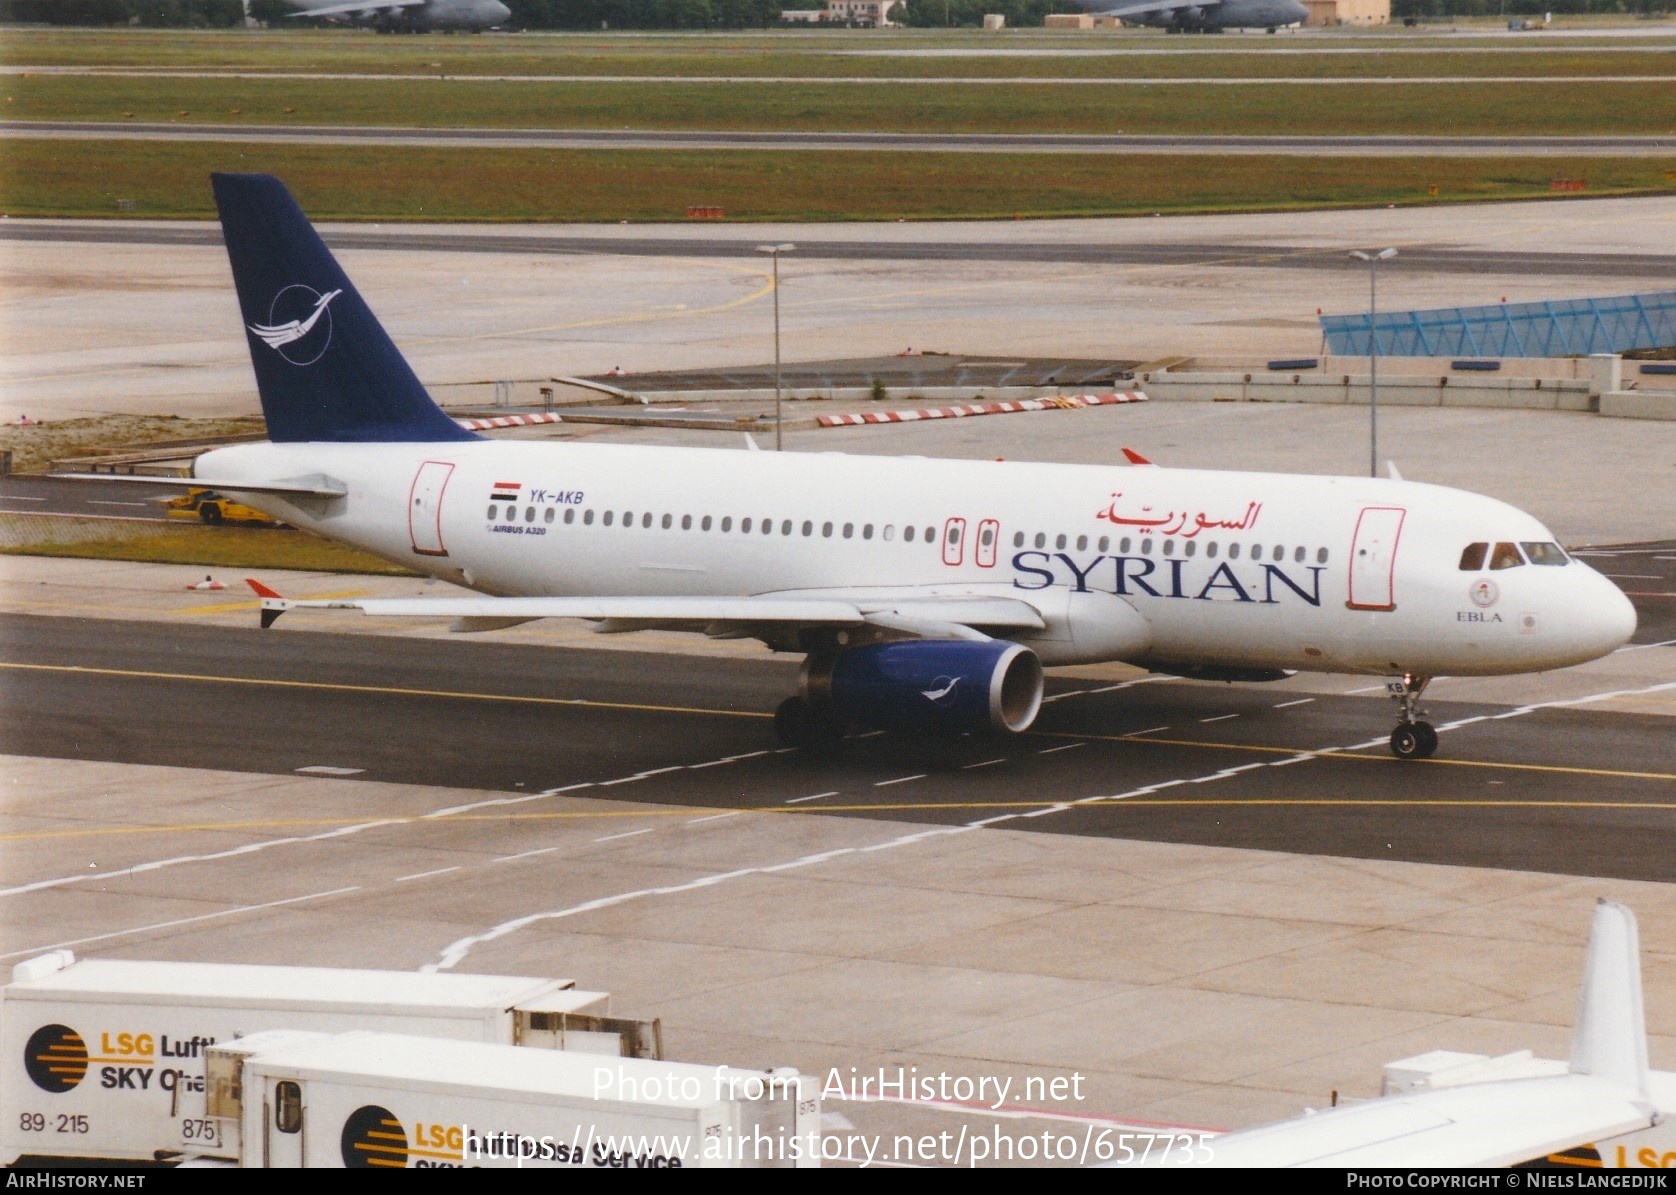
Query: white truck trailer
x: 384, y: 1101
x: 104, y: 1058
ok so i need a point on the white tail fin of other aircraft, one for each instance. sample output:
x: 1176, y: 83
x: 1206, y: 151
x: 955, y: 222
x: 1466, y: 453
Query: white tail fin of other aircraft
x: 1543, y: 1109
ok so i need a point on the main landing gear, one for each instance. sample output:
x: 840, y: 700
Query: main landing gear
x: 1414, y: 738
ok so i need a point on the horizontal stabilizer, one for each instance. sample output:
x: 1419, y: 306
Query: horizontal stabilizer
x: 301, y: 487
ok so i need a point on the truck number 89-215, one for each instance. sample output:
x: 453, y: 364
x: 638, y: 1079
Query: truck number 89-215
x: 36, y: 1122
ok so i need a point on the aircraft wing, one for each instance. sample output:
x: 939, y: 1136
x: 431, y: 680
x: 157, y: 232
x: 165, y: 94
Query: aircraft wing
x: 1136, y: 7
x: 299, y: 487
x: 1481, y: 1124
x: 339, y: 10
x: 941, y: 616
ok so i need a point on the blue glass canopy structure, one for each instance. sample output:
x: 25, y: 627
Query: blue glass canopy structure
x: 1570, y: 327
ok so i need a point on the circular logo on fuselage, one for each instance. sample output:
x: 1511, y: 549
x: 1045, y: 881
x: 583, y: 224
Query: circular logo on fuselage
x: 299, y: 326
x: 56, y: 1058
x: 374, y: 1139
x: 1484, y: 592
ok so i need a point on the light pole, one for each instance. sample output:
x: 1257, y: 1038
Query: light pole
x: 1373, y: 260
x: 774, y: 251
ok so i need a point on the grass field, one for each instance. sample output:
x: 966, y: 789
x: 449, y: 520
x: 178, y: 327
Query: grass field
x: 226, y: 547
x: 1453, y: 108
x: 697, y: 88
x: 904, y: 54
x: 171, y: 179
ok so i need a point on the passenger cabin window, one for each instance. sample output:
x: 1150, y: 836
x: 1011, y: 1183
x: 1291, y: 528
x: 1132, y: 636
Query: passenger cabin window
x: 908, y: 535
x: 1018, y: 536
x: 1549, y: 555
x: 1041, y: 539
x: 587, y: 518
x: 704, y: 525
x: 1105, y: 543
x: 570, y: 514
x: 547, y: 516
x: 1321, y: 556
x: 668, y: 520
x: 1472, y: 558
x: 494, y: 512
x: 646, y: 519
x: 1506, y: 556
x: 529, y: 514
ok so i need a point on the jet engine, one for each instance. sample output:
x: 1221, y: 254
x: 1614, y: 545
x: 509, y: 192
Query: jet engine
x: 928, y: 685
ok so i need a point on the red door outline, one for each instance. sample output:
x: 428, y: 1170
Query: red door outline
x: 989, y: 537
x: 1373, y: 558
x: 954, y: 541
x: 424, y: 507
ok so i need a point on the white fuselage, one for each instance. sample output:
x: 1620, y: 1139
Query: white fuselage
x: 1225, y: 570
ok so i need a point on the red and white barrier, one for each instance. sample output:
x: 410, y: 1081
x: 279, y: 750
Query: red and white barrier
x: 965, y: 410
x: 480, y: 425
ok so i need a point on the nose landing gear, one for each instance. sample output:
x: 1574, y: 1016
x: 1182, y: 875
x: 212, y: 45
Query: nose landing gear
x: 1414, y: 738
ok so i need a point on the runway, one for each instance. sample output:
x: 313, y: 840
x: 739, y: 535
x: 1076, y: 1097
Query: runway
x: 1007, y: 143
x: 1418, y: 259
x: 1147, y: 757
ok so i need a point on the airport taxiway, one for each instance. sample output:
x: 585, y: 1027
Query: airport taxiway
x: 1200, y: 958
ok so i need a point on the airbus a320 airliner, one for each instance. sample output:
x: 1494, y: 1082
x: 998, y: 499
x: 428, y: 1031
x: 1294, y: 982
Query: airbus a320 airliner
x: 926, y: 595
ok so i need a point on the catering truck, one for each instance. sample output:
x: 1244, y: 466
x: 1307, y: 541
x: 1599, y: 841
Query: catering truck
x: 386, y: 1101
x: 104, y: 1058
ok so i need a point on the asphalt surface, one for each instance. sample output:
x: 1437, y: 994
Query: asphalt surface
x: 1555, y: 788
x: 1008, y: 143
x: 1416, y: 259
x: 33, y: 494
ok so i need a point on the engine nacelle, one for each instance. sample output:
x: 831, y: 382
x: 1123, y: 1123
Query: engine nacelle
x: 952, y: 686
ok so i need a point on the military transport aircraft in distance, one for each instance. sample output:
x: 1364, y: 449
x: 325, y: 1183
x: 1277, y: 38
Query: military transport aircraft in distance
x: 926, y: 595
x: 407, y: 16
x: 1200, y: 16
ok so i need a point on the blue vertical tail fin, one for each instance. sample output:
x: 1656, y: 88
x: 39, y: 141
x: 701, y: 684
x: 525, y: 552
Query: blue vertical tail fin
x: 325, y: 368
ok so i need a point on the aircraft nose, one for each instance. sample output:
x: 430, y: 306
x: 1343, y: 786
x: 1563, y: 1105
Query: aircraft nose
x: 1609, y: 621
x: 499, y: 11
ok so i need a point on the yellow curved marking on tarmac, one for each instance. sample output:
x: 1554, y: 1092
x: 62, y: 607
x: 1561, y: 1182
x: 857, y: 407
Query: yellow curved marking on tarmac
x: 1348, y: 753
x: 645, y: 318
x: 811, y: 810
x: 386, y: 690
x: 766, y: 288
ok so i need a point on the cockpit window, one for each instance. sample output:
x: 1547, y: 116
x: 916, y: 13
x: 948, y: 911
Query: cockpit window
x: 1473, y: 558
x: 1506, y: 556
x: 1551, y: 555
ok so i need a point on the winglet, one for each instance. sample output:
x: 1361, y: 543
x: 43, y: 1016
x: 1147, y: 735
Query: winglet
x: 1610, y: 1041
x: 1135, y: 458
x: 272, y: 604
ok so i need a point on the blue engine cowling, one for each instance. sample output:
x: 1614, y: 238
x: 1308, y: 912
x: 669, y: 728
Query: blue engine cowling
x: 950, y: 686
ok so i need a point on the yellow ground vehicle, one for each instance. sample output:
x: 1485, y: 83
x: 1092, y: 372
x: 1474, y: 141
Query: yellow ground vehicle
x: 210, y: 507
